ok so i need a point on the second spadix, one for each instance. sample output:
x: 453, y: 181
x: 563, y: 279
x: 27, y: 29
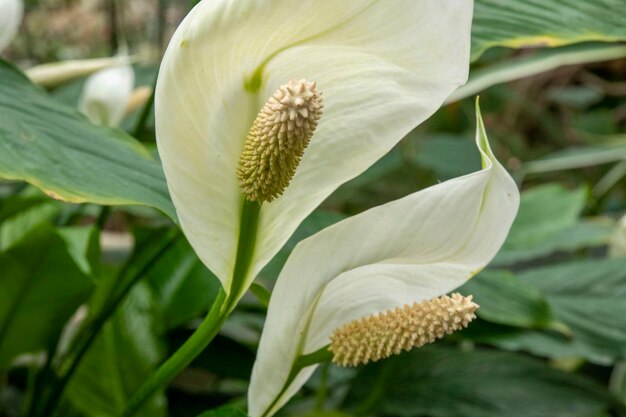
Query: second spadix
x: 277, y: 140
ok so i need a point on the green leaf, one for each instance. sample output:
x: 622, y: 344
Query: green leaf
x: 16, y: 204
x: 586, y: 233
x: 541, y: 61
x: 548, y: 221
x: 576, y: 157
x: 590, y: 297
x: 505, y: 299
x: 448, y: 156
x: 548, y: 344
x: 124, y: 354
x: 14, y: 228
x: 40, y: 288
x: 225, y: 411
x: 55, y: 148
x: 540, y: 23
x: 444, y: 382
x: 83, y: 244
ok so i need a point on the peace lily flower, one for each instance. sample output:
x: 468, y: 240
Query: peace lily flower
x: 106, y: 95
x: 372, y: 285
x: 382, y: 67
x: 11, y: 12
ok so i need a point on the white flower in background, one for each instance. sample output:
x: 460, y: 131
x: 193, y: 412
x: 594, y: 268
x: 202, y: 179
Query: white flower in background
x: 386, y: 268
x: 383, y: 68
x: 11, y: 13
x: 106, y: 94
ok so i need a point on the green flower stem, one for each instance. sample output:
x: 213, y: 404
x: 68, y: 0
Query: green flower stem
x: 221, y: 309
x: 198, y: 341
x: 321, y: 355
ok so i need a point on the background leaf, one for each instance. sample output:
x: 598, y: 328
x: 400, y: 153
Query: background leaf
x: 36, y: 302
x: 55, y: 148
x: 537, y: 23
x: 443, y: 382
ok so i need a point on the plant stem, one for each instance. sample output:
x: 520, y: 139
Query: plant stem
x: 198, y: 341
x: 322, y: 390
x: 221, y: 309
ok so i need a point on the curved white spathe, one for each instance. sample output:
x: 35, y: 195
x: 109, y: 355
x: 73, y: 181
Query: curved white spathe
x: 410, y: 250
x: 11, y: 13
x: 383, y: 67
x: 106, y: 94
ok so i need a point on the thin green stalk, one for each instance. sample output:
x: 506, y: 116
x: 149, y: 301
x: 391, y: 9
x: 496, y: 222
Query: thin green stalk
x: 92, y: 329
x: 319, y: 356
x: 322, y: 390
x: 42, y: 377
x: 192, y: 347
x: 210, y: 326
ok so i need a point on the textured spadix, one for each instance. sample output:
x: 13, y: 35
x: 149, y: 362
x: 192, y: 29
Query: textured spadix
x: 394, y: 331
x: 407, y: 251
x: 11, y: 12
x: 383, y: 66
x: 277, y: 140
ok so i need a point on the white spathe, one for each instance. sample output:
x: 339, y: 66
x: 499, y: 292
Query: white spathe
x: 106, y: 94
x: 11, y: 13
x: 407, y: 251
x: 383, y: 68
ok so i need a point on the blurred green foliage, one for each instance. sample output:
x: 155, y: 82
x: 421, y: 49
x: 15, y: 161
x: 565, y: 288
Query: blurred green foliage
x: 550, y: 340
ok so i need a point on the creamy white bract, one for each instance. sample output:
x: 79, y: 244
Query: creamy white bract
x: 383, y: 68
x: 407, y: 251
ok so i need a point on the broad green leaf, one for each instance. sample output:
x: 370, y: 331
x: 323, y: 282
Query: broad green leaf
x: 124, y: 354
x: 590, y: 297
x: 548, y: 221
x: 575, y: 157
x: 225, y: 411
x: 505, y: 299
x: 542, y: 61
x: 548, y: 344
x: 16, y: 204
x: 14, y: 228
x: 40, y: 288
x: 540, y: 23
x: 444, y: 382
x: 56, y: 149
x: 587, y: 233
x: 83, y: 244
x: 448, y: 156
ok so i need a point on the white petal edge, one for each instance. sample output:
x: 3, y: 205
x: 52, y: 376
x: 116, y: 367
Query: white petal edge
x: 383, y: 67
x: 410, y: 250
x: 106, y: 94
x: 11, y: 13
